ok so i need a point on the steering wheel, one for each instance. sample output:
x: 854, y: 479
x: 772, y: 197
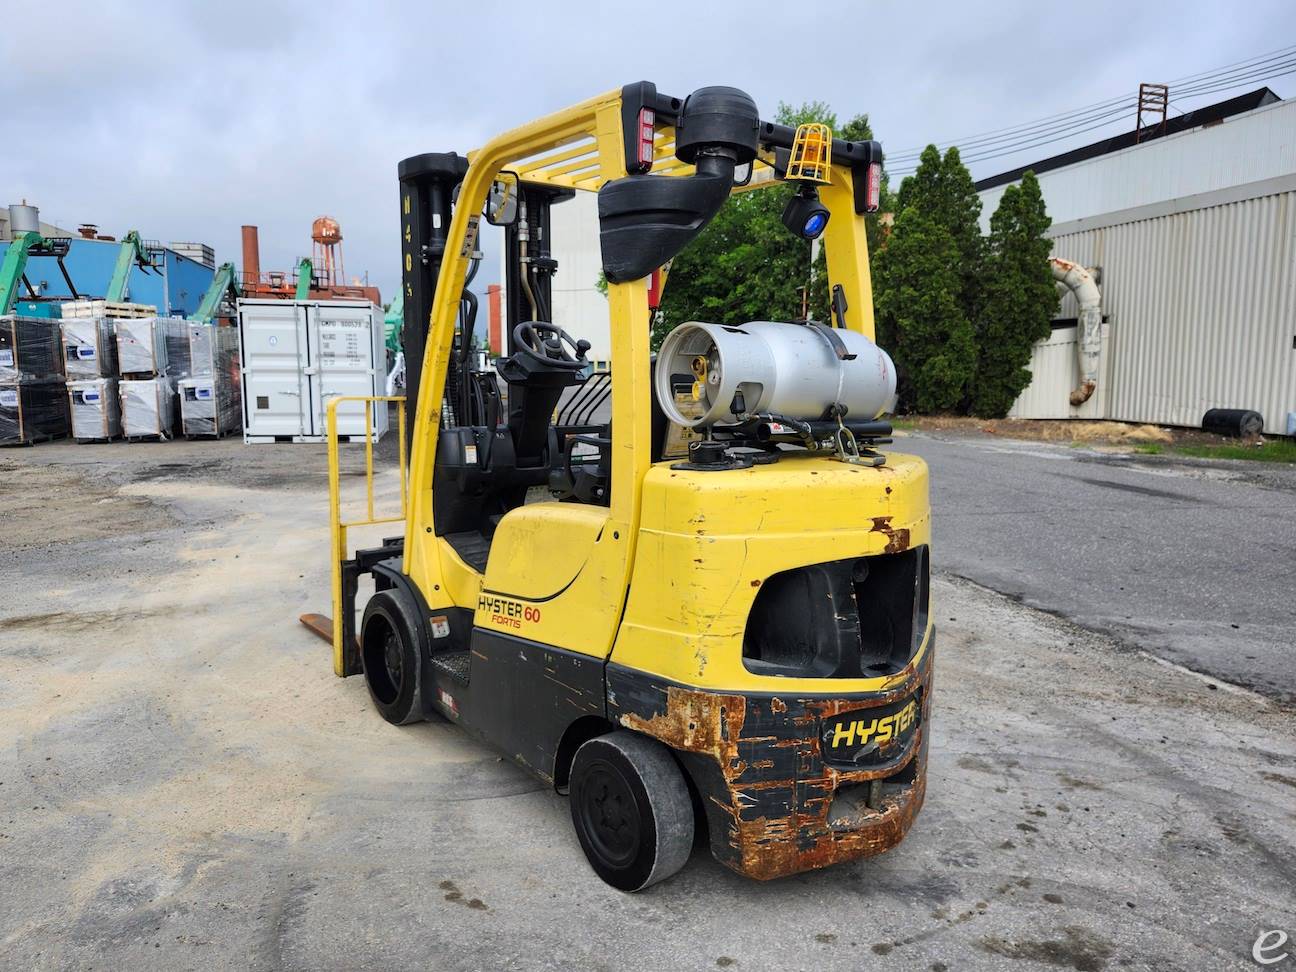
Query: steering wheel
x: 549, y: 345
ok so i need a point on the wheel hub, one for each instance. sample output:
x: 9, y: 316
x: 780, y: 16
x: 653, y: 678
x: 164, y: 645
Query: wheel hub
x: 611, y: 814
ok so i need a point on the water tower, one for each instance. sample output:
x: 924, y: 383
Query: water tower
x: 327, y: 255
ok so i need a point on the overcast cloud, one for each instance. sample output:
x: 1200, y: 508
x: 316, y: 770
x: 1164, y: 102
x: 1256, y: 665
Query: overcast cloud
x: 185, y: 120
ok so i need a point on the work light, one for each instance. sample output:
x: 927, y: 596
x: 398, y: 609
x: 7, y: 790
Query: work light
x: 805, y: 215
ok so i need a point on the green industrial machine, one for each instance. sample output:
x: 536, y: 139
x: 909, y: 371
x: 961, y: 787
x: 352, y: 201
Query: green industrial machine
x: 392, y: 321
x: 14, y: 266
x: 305, y: 277
x: 130, y: 254
x: 224, y: 283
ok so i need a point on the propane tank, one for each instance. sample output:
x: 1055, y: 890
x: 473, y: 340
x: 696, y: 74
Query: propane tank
x: 795, y: 370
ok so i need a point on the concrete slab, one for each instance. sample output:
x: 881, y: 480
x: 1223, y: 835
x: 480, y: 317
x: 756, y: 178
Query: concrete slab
x: 185, y: 785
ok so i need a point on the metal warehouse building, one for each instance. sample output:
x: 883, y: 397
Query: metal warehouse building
x: 1192, y: 235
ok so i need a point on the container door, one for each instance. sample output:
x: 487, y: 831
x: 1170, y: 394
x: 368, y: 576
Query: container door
x: 275, y: 392
x: 342, y: 341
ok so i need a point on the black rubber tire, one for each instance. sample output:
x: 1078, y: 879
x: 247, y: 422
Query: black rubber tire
x: 631, y: 809
x: 389, y: 656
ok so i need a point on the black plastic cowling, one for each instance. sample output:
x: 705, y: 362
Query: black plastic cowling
x: 717, y: 118
x: 645, y: 220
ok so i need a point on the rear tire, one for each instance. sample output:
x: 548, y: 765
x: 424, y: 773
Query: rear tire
x: 390, y: 657
x: 631, y: 809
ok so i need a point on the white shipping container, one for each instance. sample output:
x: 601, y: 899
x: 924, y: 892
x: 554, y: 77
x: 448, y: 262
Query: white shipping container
x: 297, y: 356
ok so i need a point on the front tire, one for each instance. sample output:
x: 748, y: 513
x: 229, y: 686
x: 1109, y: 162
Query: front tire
x: 390, y: 657
x: 631, y: 809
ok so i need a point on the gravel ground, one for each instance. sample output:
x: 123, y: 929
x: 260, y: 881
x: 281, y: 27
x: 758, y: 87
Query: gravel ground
x: 185, y: 785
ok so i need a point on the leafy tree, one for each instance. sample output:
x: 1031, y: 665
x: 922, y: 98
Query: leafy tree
x: 942, y: 187
x: 1020, y: 298
x: 927, y: 330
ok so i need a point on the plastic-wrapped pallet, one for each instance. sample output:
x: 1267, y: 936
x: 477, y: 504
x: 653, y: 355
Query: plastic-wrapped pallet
x: 90, y: 348
x: 148, y: 346
x: 31, y: 349
x: 212, y: 350
x: 96, y: 409
x: 210, y: 406
x: 147, y: 407
x: 32, y: 411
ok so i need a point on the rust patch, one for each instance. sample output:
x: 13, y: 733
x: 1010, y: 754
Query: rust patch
x: 777, y: 847
x: 897, y: 540
x: 774, y: 789
x: 697, y: 722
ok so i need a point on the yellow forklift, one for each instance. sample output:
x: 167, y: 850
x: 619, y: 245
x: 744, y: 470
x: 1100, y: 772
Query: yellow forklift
x: 689, y: 592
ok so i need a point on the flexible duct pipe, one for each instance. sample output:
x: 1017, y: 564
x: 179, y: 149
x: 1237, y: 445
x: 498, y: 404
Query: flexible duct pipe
x: 1089, y: 333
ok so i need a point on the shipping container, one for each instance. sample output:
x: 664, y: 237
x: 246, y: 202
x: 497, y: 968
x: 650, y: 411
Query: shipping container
x: 296, y: 356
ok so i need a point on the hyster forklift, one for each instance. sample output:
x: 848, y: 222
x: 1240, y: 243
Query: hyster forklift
x: 708, y: 609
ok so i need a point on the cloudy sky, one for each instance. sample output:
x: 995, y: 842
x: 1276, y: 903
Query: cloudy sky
x: 185, y: 120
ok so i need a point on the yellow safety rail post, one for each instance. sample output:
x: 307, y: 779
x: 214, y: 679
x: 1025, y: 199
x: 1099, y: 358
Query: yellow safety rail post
x: 338, y: 527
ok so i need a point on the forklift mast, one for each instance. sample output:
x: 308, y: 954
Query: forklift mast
x: 428, y: 184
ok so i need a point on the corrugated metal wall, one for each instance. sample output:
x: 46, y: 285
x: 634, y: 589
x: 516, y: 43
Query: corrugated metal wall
x: 1055, y: 371
x: 1247, y: 148
x: 1202, y: 309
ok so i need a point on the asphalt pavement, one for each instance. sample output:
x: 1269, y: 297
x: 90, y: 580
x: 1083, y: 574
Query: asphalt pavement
x: 1193, y: 561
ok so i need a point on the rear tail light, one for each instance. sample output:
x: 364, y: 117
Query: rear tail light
x: 873, y: 195
x: 647, y: 119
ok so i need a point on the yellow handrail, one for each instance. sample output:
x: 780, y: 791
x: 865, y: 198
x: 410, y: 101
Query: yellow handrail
x: 337, y: 527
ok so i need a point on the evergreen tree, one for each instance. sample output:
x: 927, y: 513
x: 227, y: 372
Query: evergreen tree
x: 941, y: 191
x: 1019, y: 300
x: 928, y: 332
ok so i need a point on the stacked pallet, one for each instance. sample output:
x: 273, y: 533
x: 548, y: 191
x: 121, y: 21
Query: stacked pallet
x: 33, y: 400
x: 106, y: 308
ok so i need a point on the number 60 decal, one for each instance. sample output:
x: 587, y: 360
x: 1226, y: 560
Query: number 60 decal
x: 531, y: 613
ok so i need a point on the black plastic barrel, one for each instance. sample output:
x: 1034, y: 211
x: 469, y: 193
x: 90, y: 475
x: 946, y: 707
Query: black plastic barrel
x: 1237, y: 422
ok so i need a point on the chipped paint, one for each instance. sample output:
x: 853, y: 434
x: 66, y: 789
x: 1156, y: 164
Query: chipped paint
x: 897, y: 540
